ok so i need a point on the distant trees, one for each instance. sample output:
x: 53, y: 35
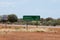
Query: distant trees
x: 8, y: 18
x: 42, y: 20
x: 0, y: 18
x: 12, y: 18
x: 48, y: 19
x: 58, y: 21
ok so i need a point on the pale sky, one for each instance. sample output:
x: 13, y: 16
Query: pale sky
x: 44, y: 8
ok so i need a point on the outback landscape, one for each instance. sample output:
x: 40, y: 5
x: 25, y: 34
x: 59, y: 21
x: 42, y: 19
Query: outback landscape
x: 32, y: 33
x: 29, y: 19
x: 29, y: 28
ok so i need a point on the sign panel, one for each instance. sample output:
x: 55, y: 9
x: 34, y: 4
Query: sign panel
x: 4, y: 17
x: 31, y: 18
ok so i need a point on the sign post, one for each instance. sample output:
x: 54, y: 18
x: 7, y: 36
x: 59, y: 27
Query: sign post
x: 31, y: 18
x: 4, y: 19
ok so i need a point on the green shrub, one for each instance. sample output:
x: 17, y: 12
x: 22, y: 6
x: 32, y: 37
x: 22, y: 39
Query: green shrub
x: 40, y: 31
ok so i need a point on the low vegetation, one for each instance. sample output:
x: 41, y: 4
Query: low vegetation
x: 13, y: 19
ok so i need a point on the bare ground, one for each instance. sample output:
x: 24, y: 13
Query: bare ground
x: 30, y: 36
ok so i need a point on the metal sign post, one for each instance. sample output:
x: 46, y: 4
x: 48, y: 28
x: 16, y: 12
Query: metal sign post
x: 27, y: 25
x: 36, y: 24
x: 31, y: 18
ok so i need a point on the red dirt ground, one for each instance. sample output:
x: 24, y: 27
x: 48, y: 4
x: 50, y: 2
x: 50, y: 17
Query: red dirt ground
x: 30, y: 36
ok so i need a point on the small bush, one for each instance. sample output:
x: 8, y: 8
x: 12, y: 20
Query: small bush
x: 40, y: 31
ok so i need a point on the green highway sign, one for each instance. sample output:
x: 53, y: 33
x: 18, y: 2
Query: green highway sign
x: 31, y: 18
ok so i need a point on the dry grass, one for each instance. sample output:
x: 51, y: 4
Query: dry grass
x: 32, y: 33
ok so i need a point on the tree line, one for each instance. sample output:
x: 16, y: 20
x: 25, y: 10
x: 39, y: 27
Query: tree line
x: 12, y: 18
x: 8, y: 18
x: 50, y: 21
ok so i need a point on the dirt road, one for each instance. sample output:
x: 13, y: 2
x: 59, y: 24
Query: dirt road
x: 30, y: 36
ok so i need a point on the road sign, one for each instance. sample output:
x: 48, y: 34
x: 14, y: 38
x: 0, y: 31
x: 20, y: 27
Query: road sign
x: 31, y: 18
x: 4, y: 17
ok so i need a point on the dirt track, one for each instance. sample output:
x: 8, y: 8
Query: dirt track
x: 30, y: 36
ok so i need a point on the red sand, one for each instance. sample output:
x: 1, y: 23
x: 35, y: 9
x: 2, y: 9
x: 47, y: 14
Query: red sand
x: 30, y: 36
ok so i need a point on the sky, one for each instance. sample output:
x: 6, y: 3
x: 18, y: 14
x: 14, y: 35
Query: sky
x: 44, y: 8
